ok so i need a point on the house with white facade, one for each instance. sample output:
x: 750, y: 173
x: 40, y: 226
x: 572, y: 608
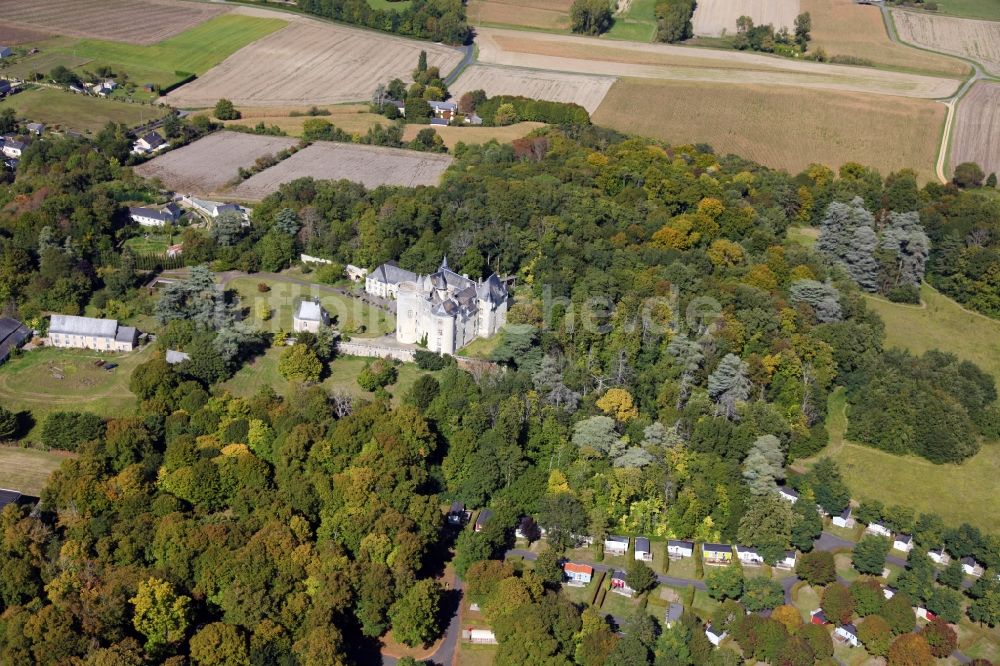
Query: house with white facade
x: 12, y: 147
x: 309, y: 316
x: 939, y: 556
x: 616, y: 545
x: 749, y: 556
x: 788, y: 494
x: 620, y: 585
x: 155, y: 217
x: 847, y: 633
x: 843, y: 519
x: 149, y: 143
x: 903, y: 542
x: 445, y: 310
x: 677, y: 549
x: 578, y: 574
x: 715, y: 636
x: 91, y: 333
x: 788, y: 561
x: 878, y: 529
x: 480, y: 636
x: 642, y: 550
x: 971, y: 567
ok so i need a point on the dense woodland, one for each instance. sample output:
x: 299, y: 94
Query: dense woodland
x: 435, y: 20
x: 668, y: 353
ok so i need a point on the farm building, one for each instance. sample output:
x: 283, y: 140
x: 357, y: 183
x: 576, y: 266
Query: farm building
x: 674, y: 613
x: 717, y: 553
x: 619, y: 585
x: 616, y: 545
x: 715, y: 636
x: 91, y: 333
x: 847, y: 633
x: 155, y: 217
x: 214, y: 209
x: 843, y: 519
x: 749, y: 556
x: 149, y: 143
x: 578, y: 574
x: 483, y: 518
x: 879, y: 529
x: 309, y: 316
x: 679, y: 549
x: 789, y: 494
x: 13, y: 334
x: 903, y: 542
x: 642, y: 551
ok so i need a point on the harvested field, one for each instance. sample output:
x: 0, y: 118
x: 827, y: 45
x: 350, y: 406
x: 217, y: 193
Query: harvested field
x: 781, y: 127
x: 369, y: 165
x: 12, y: 36
x: 969, y: 38
x: 353, y: 118
x: 713, y: 18
x: 844, y: 28
x: 586, y: 90
x: 471, y: 135
x: 310, y: 62
x: 131, y: 21
x: 568, y: 53
x: 209, y: 164
x: 977, y: 128
x: 543, y: 14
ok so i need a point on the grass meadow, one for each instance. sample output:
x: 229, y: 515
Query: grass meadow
x: 638, y: 24
x: 59, y: 109
x: 27, y: 470
x: 978, y: 9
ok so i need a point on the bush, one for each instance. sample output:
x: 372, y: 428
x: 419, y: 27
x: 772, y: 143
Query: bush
x: 376, y: 375
x: 905, y: 293
x: 523, y: 108
x: 428, y: 360
x: 968, y: 174
x: 263, y: 288
x: 67, y: 430
x: 224, y: 110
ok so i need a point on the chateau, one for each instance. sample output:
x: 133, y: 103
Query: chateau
x: 447, y: 309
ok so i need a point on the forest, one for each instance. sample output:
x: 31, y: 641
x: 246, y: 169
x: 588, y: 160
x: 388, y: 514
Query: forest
x: 434, y: 20
x: 667, y: 355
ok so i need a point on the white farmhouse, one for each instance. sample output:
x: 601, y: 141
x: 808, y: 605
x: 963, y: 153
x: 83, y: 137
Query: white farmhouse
x: 154, y: 217
x: 91, y: 333
x: 309, y: 316
x: 148, y: 143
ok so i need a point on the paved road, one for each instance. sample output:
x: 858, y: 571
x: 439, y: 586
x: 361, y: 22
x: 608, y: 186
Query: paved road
x: 468, y: 55
x: 830, y: 542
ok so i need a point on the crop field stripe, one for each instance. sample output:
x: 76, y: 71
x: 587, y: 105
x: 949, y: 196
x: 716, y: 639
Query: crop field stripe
x: 584, y: 89
x: 976, y: 135
x: 714, y: 17
x: 966, y: 38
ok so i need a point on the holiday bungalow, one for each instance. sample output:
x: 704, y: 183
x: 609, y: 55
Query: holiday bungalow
x: 902, y: 542
x: 847, y: 633
x: 749, y: 556
x: 620, y: 585
x: 717, y: 553
x: 642, y: 551
x: 483, y: 518
x: 788, y: 561
x: 674, y: 613
x: 479, y: 636
x: 844, y: 519
x: 578, y: 575
x: 715, y: 636
x: 615, y: 545
x: 679, y: 549
x: 939, y: 556
x: 878, y: 529
x: 971, y: 568
x: 789, y: 494
x: 818, y: 617
x: 456, y: 514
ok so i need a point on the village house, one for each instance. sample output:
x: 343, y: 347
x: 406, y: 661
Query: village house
x: 715, y: 636
x: 445, y: 310
x: 443, y: 110
x: 483, y: 518
x: 903, y: 542
x: 818, y: 617
x: 789, y: 494
x: 843, y: 519
x: 878, y: 529
x: 104, y: 88
x: 642, y: 550
x: 970, y: 567
x: 939, y: 556
x: 847, y: 633
x: 616, y: 545
x: 148, y: 143
x: 13, y: 334
x: 309, y: 316
x: 619, y: 585
x: 679, y: 549
x: 155, y: 217
x: 717, y: 553
x: 91, y: 333
x: 578, y: 575
x: 788, y: 561
x: 35, y: 128
x: 673, y: 614
x: 457, y: 514
x: 749, y: 556
x: 12, y: 147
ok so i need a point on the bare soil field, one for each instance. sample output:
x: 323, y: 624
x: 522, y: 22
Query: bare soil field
x: 584, y: 89
x: 11, y: 35
x: 544, y: 14
x: 209, y: 164
x: 472, y: 135
x: 132, y: 21
x: 369, y: 165
x: 977, y: 128
x: 842, y: 27
x: 969, y: 38
x: 781, y: 127
x: 713, y: 18
x: 310, y: 62
x: 568, y: 53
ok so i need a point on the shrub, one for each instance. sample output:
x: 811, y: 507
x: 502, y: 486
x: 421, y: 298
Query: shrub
x: 67, y: 430
x: 428, y: 360
x: 905, y: 293
x: 968, y: 174
x: 224, y: 110
x: 377, y: 374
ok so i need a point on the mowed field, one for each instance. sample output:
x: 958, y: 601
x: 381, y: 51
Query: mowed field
x: 570, y: 53
x: 969, y: 38
x: 131, y: 21
x: 976, y: 136
x: 980, y: 9
x: 64, y: 110
x: 713, y: 18
x: 310, y: 62
x: 472, y: 135
x: 586, y: 90
x: 211, y: 163
x: 371, y: 166
x: 352, y: 118
x: 27, y: 470
x: 543, y: 14
x: 781, y: 127
x: 843, y: 27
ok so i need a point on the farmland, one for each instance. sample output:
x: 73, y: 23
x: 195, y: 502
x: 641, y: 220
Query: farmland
x: 586, y: 90
x: 714, y: 18
x: 781, y: 127
x: 209, y: 164
x: 12, y: 35
x: 64, y: 110
x: 844, y: 28
x: 369, y: 165
x: 310, y: 62
x: 542, y: 14
x: 976, y: 40
x: 471, y: 135
x: 567, y: 53
x: 352, y: 118
x: 131, y: 21
x: 978, y: 9
x: 976, y: 136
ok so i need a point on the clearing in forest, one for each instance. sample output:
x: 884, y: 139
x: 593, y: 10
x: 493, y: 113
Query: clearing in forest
x: 542, y: 14
x: 131, y: 21
x: 976, y: 136
x: 586, y: 90
x: 968, y: 38
x: 311, y: 62
x: 714, y: 18
x: 779, y: 126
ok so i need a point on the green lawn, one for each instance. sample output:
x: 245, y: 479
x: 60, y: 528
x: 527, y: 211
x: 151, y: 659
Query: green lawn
x: 805, y: 598
x: 475, y: 655
x: 150, y: 243
x: 345, y: 313
x: 27, y: 470
x: 60, y: 109
x: 638, y: 25
x: 981, y: 9
x: 619, y: 605
x: 481, y: 347
x: 396, y: 6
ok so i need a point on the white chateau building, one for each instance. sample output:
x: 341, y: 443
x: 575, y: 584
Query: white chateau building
x: 449, y: 309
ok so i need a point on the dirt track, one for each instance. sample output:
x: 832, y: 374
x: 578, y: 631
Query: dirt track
x: 586, y: 90
x: 310, y: 62
x: 977, y: 128
x: 662, y: 61
x: 713, y: 17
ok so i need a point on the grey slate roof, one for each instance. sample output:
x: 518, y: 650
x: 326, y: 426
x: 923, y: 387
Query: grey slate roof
x: 12, y: 334
x: 717, y: 548
x: 8, y: 497
x: 73, y: 325
x: 309, y: 311
x: 165, y: 215
x: 675, y: 543
x: 391, y: 273
x: 126, y: 334
x: 642, y: 544
x: 903, y: 538
x: 618, y: 539
x: 153, y: 139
